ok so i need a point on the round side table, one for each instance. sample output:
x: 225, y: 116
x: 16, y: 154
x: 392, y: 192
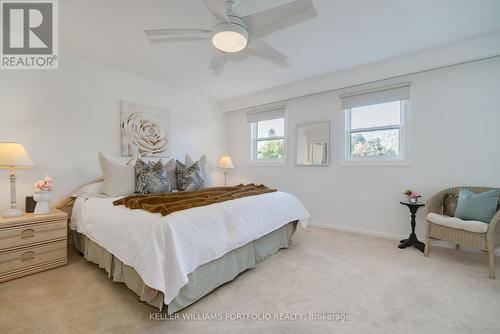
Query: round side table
x: 412, y: 239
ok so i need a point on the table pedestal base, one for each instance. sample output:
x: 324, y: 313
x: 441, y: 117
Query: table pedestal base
x: 412, y: 241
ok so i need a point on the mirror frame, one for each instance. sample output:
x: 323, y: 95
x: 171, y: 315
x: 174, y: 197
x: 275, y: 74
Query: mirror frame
x: 328, y: 143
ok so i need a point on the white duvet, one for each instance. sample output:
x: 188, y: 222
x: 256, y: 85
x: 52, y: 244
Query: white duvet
x: 164, y: 250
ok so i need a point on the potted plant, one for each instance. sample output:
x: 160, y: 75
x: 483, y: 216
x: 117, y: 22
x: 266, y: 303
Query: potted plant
x: 412, y: 195
x: 42, y: 193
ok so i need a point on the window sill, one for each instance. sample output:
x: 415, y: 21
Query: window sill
x: 267, y: 163
x: 375, y: 163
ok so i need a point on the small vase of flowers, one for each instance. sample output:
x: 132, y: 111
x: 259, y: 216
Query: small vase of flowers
x: 42, y: 193
x: 412, y: 195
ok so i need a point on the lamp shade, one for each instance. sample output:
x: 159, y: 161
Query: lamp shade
x: 13, y: 155
x: 225, y: 162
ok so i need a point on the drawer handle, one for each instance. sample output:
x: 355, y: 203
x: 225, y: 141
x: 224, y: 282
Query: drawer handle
x: 28, y: 233
x: 29, y: 255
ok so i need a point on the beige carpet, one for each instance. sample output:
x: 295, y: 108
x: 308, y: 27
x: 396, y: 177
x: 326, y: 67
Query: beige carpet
x: 382, y: 288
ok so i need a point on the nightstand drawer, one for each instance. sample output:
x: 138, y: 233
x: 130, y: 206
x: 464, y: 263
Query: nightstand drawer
x: 32, y: 259
x: 30, y: 234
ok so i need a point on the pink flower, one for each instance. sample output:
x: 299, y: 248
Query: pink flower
x: 44, y: 184
x: 415, y: 194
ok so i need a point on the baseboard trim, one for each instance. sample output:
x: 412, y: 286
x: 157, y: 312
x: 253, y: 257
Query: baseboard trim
x: 384, y: 235
x: 390, y: 236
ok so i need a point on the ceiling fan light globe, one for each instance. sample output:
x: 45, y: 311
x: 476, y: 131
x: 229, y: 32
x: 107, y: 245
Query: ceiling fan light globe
x: 230, y: 37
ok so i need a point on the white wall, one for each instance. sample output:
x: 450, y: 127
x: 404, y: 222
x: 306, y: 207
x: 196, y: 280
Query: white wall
x: 451, y: 54
x: 455, y: 141
x: 64, y: 117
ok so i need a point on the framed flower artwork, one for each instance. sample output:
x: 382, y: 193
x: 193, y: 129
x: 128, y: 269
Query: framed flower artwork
x: 145, y: 130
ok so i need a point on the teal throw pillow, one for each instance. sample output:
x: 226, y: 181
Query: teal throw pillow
x: 480, y: 207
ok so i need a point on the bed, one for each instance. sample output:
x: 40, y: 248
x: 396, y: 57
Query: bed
x: 173, y: 261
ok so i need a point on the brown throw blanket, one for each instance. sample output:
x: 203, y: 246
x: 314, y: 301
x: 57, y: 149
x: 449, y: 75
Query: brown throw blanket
x: 166, y: 203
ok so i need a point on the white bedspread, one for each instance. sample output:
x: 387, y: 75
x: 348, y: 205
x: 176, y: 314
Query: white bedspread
x: 164, y: 250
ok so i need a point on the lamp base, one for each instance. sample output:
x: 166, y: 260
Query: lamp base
x: 12, y: 212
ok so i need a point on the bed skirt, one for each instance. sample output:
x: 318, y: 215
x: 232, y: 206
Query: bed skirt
x: 202, y: 281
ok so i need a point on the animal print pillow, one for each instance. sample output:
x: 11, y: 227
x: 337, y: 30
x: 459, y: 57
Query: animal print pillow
x: 189, y: 178
x: 151, y: 177
x: 203, y: 162
x: 450, y: 201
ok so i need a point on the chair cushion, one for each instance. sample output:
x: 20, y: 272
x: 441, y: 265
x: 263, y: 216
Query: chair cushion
x: 481, y: 207
x: 457, y: 223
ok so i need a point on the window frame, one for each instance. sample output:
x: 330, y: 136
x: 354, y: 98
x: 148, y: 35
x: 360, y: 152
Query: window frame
x: 254, y: 140
x: 402, y: 159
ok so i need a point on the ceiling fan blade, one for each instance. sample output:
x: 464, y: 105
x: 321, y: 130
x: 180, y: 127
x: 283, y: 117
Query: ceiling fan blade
x: 171, y: 39
x: 173, y: 32
x: 261, y: 20
x: 217, y: 8
x: 263, y: 50
x: 217, y: 62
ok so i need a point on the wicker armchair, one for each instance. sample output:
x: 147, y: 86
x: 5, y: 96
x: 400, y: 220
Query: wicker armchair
x: 482, y: 241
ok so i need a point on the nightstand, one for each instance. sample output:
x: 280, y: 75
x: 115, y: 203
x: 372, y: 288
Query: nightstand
x: 32, y: 243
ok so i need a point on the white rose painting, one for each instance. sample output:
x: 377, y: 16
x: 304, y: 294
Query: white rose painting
x: 145, y: 130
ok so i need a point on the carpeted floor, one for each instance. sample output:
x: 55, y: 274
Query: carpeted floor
x: 380, y: 288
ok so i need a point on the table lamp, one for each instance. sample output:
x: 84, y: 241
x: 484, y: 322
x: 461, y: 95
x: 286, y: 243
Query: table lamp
x: 226, y: 164
x: 12, y: 156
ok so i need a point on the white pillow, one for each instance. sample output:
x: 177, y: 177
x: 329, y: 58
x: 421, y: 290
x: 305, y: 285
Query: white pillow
x: 188, y: 161
x: 119, y: 178
x: 203, y: 162
x: 90, y: 190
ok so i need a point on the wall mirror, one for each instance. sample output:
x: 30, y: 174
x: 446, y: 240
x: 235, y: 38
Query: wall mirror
x: 313, y: 144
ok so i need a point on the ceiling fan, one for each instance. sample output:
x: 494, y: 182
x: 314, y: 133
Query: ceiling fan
x: 234, y: 34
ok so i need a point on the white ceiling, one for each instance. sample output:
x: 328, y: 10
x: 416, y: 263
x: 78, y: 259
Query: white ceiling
x: 346, y: 33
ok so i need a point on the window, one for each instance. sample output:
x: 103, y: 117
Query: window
x: 376, y: 127
x: 268, y: 136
